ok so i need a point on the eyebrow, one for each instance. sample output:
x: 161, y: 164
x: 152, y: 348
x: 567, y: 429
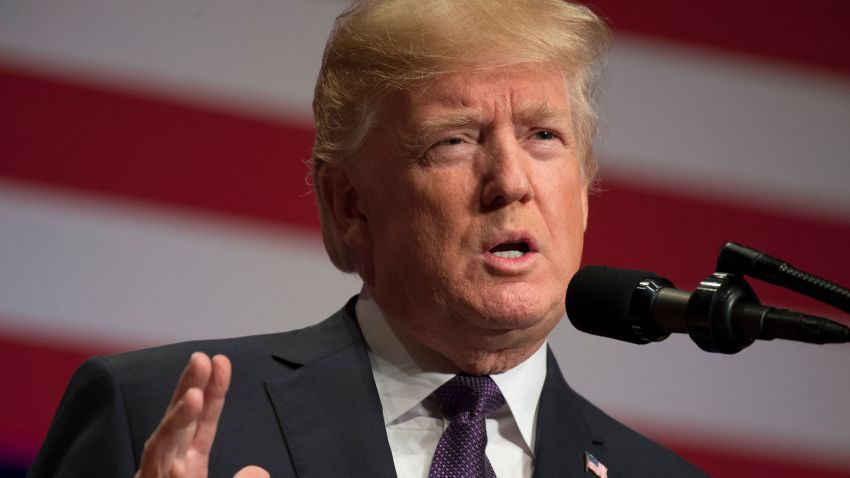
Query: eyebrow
x: 419, y: 136
x: 453, y: 121
x: 531, y: 115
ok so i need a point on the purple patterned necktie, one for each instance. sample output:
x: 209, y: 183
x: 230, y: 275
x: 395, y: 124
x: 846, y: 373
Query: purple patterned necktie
x: 468, y: 400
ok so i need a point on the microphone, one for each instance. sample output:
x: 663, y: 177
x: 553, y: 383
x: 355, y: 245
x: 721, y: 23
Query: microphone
x: 722, y: 315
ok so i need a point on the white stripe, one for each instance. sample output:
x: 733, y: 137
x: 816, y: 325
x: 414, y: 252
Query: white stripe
x: 126, y: 274
x: 260, y: 55
x: 727, y: 127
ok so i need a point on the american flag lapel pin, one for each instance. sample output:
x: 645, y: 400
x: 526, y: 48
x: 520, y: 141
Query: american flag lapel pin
x: 594, y: 465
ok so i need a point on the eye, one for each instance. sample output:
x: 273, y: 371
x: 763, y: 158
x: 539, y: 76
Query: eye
x: 453, y: 141
x: 450, y: 150
x: 544, y: 135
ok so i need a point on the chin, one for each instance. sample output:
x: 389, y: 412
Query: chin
x: 519, y: 307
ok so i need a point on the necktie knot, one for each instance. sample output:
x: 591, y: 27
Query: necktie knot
x: 478, y: 395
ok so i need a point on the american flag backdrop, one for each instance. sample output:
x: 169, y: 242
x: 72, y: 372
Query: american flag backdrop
x: 152, y: 190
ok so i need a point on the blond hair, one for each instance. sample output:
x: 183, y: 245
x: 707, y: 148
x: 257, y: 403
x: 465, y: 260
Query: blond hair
x: 381, y: 46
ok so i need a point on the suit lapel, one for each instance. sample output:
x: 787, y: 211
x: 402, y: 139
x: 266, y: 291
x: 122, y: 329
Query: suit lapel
x: 327, y: 404
x: 563, y: 435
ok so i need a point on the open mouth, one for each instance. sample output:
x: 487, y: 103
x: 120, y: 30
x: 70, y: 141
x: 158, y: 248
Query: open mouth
x: 511, y: 250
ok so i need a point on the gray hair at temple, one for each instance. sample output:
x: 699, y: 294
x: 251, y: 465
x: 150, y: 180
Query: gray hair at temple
x: 378, y: 47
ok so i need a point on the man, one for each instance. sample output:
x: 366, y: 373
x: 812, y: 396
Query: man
x: 451, y: 167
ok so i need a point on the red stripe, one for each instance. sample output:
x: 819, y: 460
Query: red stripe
x: 814, y: 33
x: 40, y: 372
x: 71, y: 135
x: 34, y: 377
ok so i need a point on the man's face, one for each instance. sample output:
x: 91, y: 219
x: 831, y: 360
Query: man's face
x: 470, y: 209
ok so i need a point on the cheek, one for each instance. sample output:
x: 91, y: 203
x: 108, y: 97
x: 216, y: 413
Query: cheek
x: 431, y: 234
x: 562, y: 194
x: 445, y: 196
x: 563, y: 202
x: 416, y: 215
x: 572, y: 224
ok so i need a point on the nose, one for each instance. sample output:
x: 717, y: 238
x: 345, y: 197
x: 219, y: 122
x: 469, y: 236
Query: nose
x: 507, y: 175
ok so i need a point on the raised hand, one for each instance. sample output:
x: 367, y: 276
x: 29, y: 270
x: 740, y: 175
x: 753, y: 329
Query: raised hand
x: 180, y: 446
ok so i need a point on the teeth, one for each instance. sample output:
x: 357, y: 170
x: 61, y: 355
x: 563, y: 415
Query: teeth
x: 512, y: 254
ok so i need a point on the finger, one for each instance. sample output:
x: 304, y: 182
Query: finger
x: 252, y: 472
x: 214, y: 396
x: 196, y: 374
x: 173, y: 435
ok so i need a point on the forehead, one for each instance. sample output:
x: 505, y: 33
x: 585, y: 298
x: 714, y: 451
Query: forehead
x: 520, y: 92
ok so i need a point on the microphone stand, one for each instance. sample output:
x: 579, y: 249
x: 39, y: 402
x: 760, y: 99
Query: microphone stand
x: 738, y: 259
x: 711, y: 304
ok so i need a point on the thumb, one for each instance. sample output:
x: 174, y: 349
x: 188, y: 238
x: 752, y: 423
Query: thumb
x: 252, y: 472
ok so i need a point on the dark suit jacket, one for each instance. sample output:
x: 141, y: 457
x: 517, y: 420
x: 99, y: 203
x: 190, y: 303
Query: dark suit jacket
x: 302, y: 404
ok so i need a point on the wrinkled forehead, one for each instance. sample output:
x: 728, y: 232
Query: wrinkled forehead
x: 521, y: 93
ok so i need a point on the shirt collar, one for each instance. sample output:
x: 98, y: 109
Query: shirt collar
x: 406, y: 372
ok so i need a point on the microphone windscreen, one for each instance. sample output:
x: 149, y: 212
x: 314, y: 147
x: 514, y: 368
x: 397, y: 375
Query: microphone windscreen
x: 599, y: 300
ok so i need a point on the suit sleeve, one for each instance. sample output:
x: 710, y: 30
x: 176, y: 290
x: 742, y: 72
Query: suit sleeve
x: 90, y: 435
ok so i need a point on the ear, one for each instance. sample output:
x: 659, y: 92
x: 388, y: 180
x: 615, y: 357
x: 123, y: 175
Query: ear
x: 344, y: 206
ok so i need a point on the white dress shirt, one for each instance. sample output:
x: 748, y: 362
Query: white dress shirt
x: 407, y: 373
